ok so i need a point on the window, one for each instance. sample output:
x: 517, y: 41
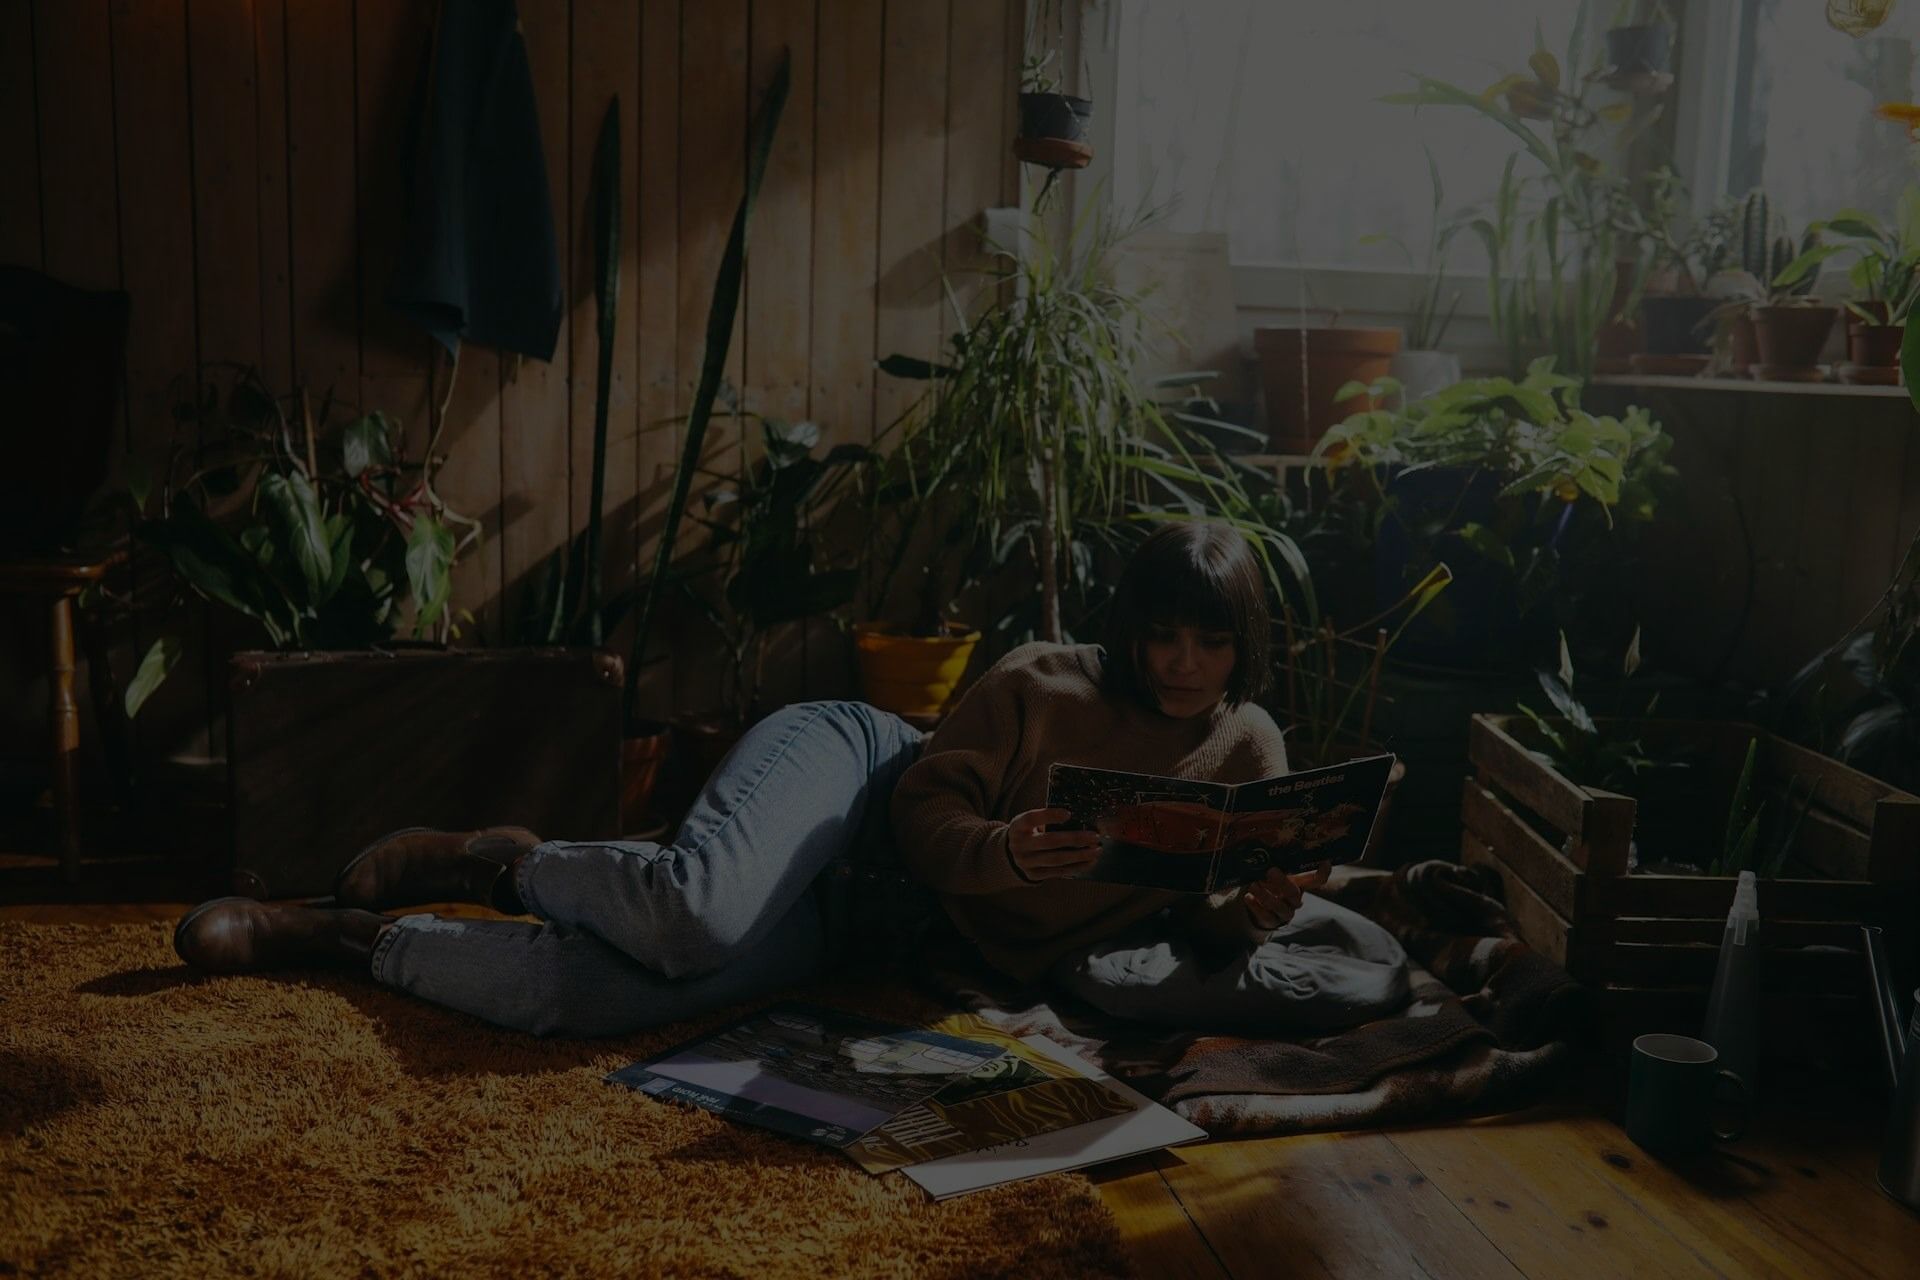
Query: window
x: 1802, y: 126
x: 1263, y: 120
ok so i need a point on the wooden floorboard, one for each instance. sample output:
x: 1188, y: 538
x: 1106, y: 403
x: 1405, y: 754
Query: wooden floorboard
x: 1554, y: 1191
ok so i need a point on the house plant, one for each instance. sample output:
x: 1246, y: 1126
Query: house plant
x: 1533, y: 502
x: 1551, y: 229
x: 1423, y: 367
x: 1764, y: 257
x: 1885, y: 276
x: 321, y: 532
x: 1683, y: 253
x: 1034, y: 456
x: 1053, y: 123
x: 1302, y: 367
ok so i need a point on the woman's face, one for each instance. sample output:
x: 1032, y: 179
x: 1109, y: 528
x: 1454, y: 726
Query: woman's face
x: 1188, y: 667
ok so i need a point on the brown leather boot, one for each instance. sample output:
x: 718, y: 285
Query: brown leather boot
x: 240, y: 935
x: 419, y: 865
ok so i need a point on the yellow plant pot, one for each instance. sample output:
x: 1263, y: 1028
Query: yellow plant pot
x: 911, y: 675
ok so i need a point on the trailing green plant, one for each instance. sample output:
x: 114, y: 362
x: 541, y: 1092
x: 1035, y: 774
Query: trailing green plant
x: 1551, y: 233
x: 1885, y: 274
x: 1427, y: 322
x: 324, y: 533
x: 1034, y: 450
x: 1682, y: 250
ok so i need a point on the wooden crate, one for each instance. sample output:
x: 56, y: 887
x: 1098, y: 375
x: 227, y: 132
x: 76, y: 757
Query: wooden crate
x: 1648, y: 943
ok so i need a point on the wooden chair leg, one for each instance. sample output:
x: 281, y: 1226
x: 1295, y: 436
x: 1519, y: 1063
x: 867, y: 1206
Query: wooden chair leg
x: 65, y: 716
x: 109, y: 715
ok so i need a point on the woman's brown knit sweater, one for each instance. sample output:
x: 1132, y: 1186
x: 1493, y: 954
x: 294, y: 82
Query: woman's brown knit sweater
x: 1040, y: 705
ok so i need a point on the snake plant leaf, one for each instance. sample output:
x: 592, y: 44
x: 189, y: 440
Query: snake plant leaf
x: 588, y: 627
x: 160, y: 658
x: 721, y: 311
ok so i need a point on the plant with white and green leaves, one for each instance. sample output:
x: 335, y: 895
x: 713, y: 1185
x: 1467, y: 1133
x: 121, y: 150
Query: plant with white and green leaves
x: 323, y: 533
x: 1885, y: 274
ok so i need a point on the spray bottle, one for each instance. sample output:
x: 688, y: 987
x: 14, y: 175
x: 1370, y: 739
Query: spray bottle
x: 1733, y: 1013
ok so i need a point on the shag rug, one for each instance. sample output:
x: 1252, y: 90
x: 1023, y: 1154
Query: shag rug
x: 158, y: 1123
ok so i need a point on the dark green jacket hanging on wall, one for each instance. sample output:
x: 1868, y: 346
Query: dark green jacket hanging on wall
x: 478, y: 261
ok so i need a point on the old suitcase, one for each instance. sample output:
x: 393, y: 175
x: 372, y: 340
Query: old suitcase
x: 331, y: 750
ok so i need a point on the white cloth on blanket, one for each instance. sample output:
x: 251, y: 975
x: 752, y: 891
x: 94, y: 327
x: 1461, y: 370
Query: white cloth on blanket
x: 1327, y: 968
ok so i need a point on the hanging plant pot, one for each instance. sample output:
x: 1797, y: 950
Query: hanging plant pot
x: 1054, y: 115
x: 1789, y: 341
x: 1301, y: 370
x: 909, y: 675
x: 1640, y: 49
x: 1053, y: 128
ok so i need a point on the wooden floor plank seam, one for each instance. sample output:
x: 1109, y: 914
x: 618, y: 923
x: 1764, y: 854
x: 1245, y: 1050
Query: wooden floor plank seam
x: 1160, y: 1169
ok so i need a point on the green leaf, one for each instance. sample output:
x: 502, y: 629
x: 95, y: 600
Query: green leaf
x: 1565, y: 703
x: 294, y: 511
x: 159, y: 660
x: 368, y: 442
x: 429, y: 569
x: 1566, y: 662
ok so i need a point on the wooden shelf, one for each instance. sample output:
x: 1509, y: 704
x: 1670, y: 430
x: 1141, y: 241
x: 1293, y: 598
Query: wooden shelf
x: 1746, y: 386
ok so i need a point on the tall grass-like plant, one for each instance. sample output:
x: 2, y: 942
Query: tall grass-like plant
x: 1035, y: 433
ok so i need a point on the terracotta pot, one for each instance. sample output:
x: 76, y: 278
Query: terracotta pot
x: 911, y: 676
x: 1874, y: 345
x: 1300, y: 388
x: 642, y: 752
x: 1792, y: 337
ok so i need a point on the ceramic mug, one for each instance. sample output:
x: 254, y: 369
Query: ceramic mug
x: 1672, y: 1090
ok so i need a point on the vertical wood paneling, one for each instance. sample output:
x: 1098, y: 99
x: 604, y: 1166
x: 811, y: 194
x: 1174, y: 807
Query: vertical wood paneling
x: 779, y: 284
x: 713, y: 124
x: 606, y: 65
x: 913, y: 165
x: 533, y: 393
x: 270, y: 128
x: 975, y: 102
x: 846, y: 239
x: 226, y: 207
x: 1812, y: 618
x: 74, y: 72
x: 19, y: 139
x: 470, y: 484
x: 324, y: 270
x: 657, y: 354
x: 390, y: 47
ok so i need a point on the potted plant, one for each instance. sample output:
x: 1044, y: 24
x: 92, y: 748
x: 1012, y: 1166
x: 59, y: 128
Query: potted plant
x: 1763, y: 257
x: 1032, y: 455
x: 1423, y: 368
x: 1640, y: 41
x: 1529, y: 499
x: 1551, y: 228
x: 1885, y: 277
x: 1053, y: 123
x: 1302, y: 367
x: 1683, y: 253
x: 567, y: 604
x: 324, y: 534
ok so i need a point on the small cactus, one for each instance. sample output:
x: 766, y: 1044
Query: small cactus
x: 1756, y: 228
x: 1783, y: 253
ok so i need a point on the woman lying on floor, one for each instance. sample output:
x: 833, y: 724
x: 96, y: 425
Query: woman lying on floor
x: 635, y: 934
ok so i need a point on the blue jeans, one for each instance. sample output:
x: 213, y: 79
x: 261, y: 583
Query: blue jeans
x: 636, y: 934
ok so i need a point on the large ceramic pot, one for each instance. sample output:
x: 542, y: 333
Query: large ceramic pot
x: 911, y: 676
x: 1301, y: 370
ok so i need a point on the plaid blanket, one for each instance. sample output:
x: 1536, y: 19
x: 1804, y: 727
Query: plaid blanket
x: 1488, y: 1024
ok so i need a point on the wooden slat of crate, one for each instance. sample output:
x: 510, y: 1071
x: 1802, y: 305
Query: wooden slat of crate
x: 1832, y: 847
x: 1539, y: 925
x: 1778, y: 933
x: 1708, y: 896
x: 1491, y: 748
x: 1847, y: 792
x: 1546, y: 870
x: 1781, y: 968
x: 1894, y: 855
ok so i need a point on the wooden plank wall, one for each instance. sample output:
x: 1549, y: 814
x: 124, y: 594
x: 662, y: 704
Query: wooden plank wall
x: 1788, y: 521
x: 236, y: 166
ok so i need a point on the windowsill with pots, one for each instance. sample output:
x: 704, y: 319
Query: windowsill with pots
x: 1745, y: 386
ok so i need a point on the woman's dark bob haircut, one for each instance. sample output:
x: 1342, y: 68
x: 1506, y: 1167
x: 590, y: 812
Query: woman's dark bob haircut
x: 1196, y: 575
